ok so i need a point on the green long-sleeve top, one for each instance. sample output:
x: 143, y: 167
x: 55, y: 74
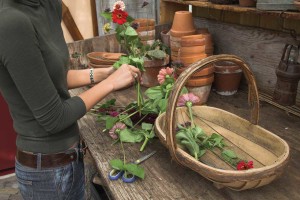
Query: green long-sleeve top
x: 33, y: 76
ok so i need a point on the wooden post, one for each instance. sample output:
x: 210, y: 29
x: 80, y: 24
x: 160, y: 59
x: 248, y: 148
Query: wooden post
x: 70, y: 23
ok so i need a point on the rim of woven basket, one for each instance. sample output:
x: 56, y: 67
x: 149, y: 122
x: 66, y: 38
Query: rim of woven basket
x: 253, y: 100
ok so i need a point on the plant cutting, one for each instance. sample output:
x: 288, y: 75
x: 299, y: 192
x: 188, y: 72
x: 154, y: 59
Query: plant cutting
x: 197, y: 142
x: 127, y: 36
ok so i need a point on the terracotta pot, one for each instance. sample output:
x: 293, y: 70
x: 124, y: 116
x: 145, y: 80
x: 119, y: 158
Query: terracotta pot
x: 192, y: 42
x: 174, y: 48
x: 183, y: 21
x: 204, y: 72
x: 247, y: 3
x: 189, y: 51
x: 202, y: 92
x: 145, y: 28
x: 200, y: 81
x: 144, y: 22
x: 103, y: 58
x: 181, y: 33
x: 165, y: 37
x: 98, y: 66
x: 147, y: 35
x: 174, y: 44
x: 152, y: 68
x: 227, y: 78
x: 186, y: 60
x: 150, y: 42
x: 174, y: 39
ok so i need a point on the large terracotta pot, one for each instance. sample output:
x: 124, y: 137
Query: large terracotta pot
x: 152, y: 68
x: 144, y: 22
x: 227, y: 78
x: 204, y: 72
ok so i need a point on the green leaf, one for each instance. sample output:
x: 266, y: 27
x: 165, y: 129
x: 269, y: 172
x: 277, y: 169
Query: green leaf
x: 110, y: 122
x: 154, y: 93
x: 107, y: 15
x: 117, y: 164
x: 127, y: 135
x: 129, y: 19
x: 127, y: 120
x: 186, y: 139
x: 184, y: 91
x: 147, y: 126
x: 156, y: 54
x: 135, y: 170
x: 130, y: 31
x: 163, y: 105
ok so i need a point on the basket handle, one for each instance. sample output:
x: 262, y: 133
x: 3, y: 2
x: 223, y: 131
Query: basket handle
x: 253, y: 98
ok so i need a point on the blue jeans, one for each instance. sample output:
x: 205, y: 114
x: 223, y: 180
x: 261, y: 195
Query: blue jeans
x: 61, y: 183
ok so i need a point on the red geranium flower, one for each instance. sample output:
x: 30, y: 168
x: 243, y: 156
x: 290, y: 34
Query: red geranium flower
x: 242, y: 165
x: 119, y: 16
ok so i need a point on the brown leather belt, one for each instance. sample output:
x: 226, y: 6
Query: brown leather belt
x: 47, y: 160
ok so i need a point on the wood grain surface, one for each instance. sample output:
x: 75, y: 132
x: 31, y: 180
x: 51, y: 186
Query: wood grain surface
x: 165, y: 179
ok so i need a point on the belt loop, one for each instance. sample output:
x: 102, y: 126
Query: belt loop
x: 39, y: 161
x: 77, y: 154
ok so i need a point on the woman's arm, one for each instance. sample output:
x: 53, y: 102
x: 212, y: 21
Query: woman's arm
x: 79, y: 78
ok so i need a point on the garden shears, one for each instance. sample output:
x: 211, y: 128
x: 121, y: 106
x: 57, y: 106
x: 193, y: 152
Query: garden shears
x: 115, y: 174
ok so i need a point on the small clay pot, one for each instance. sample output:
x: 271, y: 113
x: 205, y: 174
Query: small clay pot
x: 165, y: 37
x: 103, y: 57
x: 227, y: 78
x: 145, y: 28
x: 147, y: 35
x: 152, y: 68
x: 144, y: 22
x: 247, y: 3
x: 183, y: 22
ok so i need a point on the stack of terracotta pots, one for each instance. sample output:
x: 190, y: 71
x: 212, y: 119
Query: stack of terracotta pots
x: 146, y: 30
x: 183, y: 25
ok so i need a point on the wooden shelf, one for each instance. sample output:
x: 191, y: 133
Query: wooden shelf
x: 285, y: 21
x: 239, y: 9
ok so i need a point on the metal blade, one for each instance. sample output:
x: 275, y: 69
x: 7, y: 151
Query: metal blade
x: 142, y: 159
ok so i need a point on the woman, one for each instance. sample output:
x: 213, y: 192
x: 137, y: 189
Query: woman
x: 34, y: 81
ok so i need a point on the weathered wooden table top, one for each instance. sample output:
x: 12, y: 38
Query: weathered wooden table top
x: 165, y: 179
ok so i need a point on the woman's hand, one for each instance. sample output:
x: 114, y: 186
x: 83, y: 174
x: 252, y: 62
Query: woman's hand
x: 124, y: 76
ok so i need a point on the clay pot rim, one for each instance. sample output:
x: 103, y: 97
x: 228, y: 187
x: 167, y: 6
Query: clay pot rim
x: 194, y: 56
x: 145, y: 28
x: 103, y: 58
x: 144, y: 22
x: 192, y: 37
x: 181, y: 33
x: 227, y: 67
x: 98, y: 66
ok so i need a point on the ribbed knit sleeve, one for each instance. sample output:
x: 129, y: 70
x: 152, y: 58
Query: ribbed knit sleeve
x: 22, y: 57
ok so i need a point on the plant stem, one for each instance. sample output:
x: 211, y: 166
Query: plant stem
x: 121, y: 120
x: 191, y: 116
x: 144, y: 144
x: 139, y: 121
x: 124, y: 157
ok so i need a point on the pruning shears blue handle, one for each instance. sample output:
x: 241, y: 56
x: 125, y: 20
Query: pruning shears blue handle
x: 115, y: 174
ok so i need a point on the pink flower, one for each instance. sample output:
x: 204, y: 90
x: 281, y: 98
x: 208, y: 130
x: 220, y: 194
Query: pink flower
x: 119, y: 5
x: 113, y: 132
x: 243, y: 165
x: 161, y: 77
x: 189, y: 97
